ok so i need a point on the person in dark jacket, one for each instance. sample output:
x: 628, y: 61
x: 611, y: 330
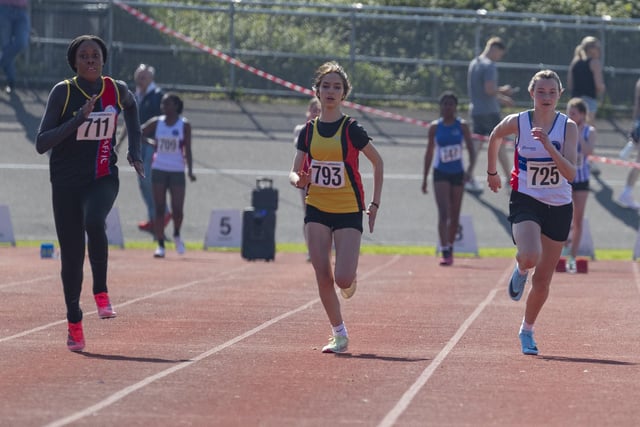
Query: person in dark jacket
x: 149, y: 96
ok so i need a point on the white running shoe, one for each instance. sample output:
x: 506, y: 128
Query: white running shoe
x: 473, y: 186
x: 159, y: 253
x: 626, y: 151
x: 626, y: 200
x: 179, y: 245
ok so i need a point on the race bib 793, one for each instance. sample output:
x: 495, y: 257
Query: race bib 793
x: 327, y: 174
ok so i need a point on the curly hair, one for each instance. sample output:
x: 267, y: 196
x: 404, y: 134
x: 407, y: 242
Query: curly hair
x: 328, y: 68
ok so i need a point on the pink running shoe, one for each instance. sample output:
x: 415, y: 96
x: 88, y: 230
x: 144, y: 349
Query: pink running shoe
x: 105, y: 311
x: 75, y: 339
x: 447, y: 257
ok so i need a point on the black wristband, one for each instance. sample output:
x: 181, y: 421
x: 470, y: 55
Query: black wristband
x: 375, y: 204
x: 492, y: 174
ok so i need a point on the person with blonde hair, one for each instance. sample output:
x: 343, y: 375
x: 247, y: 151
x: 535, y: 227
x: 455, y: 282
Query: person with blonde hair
x: 540, y: 205
x: 585, y: 78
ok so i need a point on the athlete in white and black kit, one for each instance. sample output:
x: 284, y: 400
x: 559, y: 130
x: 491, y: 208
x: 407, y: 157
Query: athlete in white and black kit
x: 540, y: 208
x: 170, y: 134
x: 79, y: 128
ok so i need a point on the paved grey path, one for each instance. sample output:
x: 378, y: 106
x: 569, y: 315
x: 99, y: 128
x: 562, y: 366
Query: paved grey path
x: 236, y: 142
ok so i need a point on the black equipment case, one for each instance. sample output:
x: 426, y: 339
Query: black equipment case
x: 259, y: 223
x: 264, y: 196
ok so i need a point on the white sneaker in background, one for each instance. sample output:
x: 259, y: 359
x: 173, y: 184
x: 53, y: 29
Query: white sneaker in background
x: 626, y: 200
x: 626, y: 150
x: 179, y: 245
x: 473, y: 186
x: 159, y: 253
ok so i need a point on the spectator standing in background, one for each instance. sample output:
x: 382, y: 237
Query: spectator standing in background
x: 149, y: 97
x: 585, y: 79
x: 485, y: 99
x: 15, y: 26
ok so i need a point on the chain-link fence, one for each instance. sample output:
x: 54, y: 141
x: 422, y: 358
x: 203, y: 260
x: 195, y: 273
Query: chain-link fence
x: 391, y: 53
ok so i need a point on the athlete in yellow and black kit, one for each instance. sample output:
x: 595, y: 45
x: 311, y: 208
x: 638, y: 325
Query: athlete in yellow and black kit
x: 326, y: 164
x: 335, y: 185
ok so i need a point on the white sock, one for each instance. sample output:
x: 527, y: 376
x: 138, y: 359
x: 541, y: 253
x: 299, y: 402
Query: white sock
x: 340, y: 330
x: 521, y: 271
x: 526, y: 326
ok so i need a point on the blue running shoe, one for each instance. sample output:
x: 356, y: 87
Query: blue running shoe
x: 528, y: 343
x: 516, y: 284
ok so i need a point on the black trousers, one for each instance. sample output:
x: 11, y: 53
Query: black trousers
x: 80, y: 211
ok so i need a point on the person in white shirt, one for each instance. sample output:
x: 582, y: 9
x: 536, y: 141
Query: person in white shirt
x: 540, y: 205
x: 171, y: 137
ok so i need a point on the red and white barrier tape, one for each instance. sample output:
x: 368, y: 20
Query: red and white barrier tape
x: 616, y: 162
x: 215, y: 52
x: 297, y: 88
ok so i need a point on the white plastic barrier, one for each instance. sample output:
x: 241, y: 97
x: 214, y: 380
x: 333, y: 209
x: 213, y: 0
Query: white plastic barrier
x: 225, y: 229
x: 465, y: 242
x: 6, y: 229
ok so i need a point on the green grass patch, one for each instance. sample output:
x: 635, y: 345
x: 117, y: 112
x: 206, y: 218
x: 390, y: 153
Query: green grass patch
x: 601, y: 254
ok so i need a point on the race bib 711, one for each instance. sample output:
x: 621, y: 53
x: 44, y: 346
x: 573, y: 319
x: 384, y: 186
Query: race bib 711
x: 98, y: 126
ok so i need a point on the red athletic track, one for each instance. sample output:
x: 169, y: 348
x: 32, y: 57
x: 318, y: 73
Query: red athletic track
x: 210, y: 339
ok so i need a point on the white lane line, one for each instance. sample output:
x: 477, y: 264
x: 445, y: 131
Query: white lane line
x: 402, y: 404
x: 145, y: 382
x: 213, y: 171
x: 222, y: 276
x: 28, y: 282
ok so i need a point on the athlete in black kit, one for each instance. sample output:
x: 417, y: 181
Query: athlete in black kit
x: 79, y: 127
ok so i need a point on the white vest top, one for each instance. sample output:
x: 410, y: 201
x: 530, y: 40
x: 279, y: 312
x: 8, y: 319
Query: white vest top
x: 169, y: 143
x: 535, y: 173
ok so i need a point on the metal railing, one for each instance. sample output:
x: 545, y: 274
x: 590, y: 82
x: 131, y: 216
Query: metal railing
x: 391, y: 53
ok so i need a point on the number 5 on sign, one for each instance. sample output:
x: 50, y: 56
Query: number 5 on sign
x: 225, y: 229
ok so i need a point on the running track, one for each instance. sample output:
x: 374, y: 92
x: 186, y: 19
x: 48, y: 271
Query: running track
x: 210, y: 339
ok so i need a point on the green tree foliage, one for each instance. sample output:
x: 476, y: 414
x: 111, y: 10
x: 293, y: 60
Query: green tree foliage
x: 615, y: 8
x: 393, y: 57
